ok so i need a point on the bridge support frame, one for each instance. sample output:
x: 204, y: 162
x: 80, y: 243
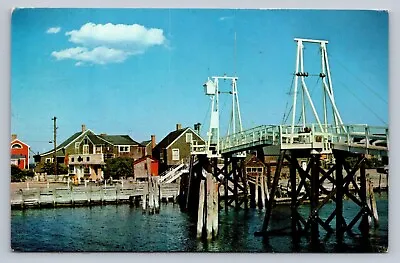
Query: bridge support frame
x: 314, y: 180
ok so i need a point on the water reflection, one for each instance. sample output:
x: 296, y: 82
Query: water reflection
x: 125, y: 228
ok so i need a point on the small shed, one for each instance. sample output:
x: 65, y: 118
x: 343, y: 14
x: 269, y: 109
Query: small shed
x: 254, y: 166
x: 144, y: 166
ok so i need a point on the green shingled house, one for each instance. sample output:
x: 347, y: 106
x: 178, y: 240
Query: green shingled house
x: 85, y: 153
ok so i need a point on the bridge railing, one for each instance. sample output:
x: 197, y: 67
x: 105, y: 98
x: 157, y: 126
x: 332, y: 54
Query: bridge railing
x: 313, y: 136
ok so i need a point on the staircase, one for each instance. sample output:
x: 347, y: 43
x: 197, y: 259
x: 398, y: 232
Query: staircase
x: 173, y: 173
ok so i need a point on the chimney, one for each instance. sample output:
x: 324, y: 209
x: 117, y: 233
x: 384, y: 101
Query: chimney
x: 153, y: 141
x: 197, y: 127
x: 13, y: 137
x: 83, y: 127
x: 178, y: 126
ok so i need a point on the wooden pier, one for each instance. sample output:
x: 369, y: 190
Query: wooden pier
x: 94, y: 195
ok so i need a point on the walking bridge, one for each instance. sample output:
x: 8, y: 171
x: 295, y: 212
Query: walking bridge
x: 326, y: 134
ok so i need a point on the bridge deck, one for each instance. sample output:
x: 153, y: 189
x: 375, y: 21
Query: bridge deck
x: 352, y: 138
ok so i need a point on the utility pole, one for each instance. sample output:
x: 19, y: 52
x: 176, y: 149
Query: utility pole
x: 54, y: 119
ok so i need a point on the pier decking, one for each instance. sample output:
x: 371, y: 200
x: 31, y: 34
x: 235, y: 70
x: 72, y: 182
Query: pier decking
x: 53, y: 196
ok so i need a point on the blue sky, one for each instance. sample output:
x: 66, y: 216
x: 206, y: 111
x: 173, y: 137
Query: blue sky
x: 141, y: 71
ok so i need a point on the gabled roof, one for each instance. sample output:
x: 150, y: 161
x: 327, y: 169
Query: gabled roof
x: 172, y: 137
x: 96, y: 139
x: 119, y: 139
x: 20, y: 142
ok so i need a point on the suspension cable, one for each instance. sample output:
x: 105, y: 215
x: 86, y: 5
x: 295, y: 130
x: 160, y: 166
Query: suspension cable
x: 362, y: 82
x: 287, y: 102
x: 362, y: 102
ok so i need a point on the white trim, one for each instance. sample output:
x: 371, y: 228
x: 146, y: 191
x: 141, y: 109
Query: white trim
x: 20, y: 146
x: 129, y: 148
x: 191, y: 137
x: 172, y: 157
x: 20, y: 142
x: 188, y: 128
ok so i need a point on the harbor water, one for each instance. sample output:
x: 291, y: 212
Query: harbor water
x: 123, y: 227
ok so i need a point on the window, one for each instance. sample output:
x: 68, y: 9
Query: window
x: 72, y: 159
x: 16, y: 146
x: 260, y: 169
x: 49, y: 160
x: 88, y: 159
x: 189, y: 137
x: 71, y: 169
x: 85, y: 149
x: 123, y: 148
x: 98, y: 149
x: 248, y: 169
x: 175, y: 154
x: 77, y: 147
x: 86, y: 170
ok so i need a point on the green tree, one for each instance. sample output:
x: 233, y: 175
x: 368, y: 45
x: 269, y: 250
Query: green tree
x: 49, y: 168
x: 16, y: 174
x: 118, y: 167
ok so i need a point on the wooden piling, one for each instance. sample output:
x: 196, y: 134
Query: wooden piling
x: 151, y: 196
x: 262, y: 191
x: 156, y: 195
x: 209, y: 205
x: 293, y: 194
x: 272, y: 194
x: 314, y: 198
x: 256, y: 191
x: 339, y: 197
x: 200, y: 212
x: 215, y: 208
x: 364, y: 225
x: 144, y: 198
x: 372, y: 203
x: 235, y: 182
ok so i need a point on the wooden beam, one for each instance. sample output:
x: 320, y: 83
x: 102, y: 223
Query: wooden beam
x: 273, y: 190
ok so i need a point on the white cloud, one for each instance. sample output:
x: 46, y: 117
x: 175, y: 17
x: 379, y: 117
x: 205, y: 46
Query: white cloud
x: 109, y: 43
x: 53, y: 30
x: 133, y: 37
x: 99, y: 55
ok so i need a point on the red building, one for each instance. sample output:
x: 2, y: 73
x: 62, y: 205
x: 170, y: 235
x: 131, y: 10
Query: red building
x: 141, y: 167
x: 19, y: 153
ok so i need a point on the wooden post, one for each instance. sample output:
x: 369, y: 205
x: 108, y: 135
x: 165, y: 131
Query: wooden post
x: 293, y: 195
x: 209, y: 202
x: 245, y: 185
x: 339, y: 196
x: 215, y: 203
x: 235, y: 182
x: 272, y: 195
x: 200, y: 212
x: 151, y: 196
x: 156, y: 195
x: 256, y: 191
x: 226, y: 183
x: 144, y: 198
x: 372, y: 203
x: 314, y: 198
x: 364, y: 225
x: 262, y: 190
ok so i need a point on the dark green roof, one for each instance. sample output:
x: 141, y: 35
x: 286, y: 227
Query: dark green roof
x: 119, y: 139
x: 170, y: 138
x: 96, y: 140
x: 64, y: 143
